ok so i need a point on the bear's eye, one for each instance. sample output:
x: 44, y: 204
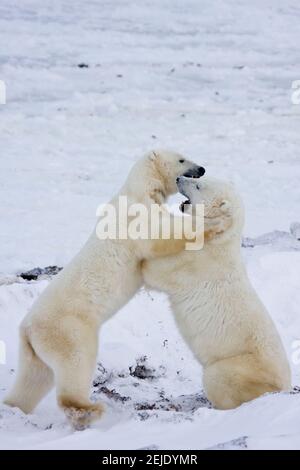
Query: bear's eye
x: 197, y: 186
x: 181, y: 160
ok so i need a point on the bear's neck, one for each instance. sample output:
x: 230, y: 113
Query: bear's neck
x: 144, y: 183
x: 229, y: 251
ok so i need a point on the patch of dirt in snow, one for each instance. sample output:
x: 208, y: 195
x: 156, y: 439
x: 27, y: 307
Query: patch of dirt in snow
x: 145, y: 394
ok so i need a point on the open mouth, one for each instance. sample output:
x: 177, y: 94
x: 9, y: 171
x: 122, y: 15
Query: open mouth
x: 184, y: 204
x: 182, y: 191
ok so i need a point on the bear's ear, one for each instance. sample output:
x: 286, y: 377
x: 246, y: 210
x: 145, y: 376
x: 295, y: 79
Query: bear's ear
x: 153, y: 156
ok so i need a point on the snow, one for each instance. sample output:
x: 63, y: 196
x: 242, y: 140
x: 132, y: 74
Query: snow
x: 210, y: 79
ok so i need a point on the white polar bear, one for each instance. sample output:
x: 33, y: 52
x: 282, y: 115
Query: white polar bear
x: 217, y: 310
x: 59, y: 337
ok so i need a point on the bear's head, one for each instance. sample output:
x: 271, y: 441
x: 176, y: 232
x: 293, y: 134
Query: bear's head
x: 170, y: 165
x: 223, y: 207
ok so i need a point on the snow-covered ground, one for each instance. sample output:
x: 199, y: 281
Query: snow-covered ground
x: 211, y: 79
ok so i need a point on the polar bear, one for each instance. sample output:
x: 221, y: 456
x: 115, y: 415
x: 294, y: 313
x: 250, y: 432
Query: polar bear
x: 59, y: 336
x: 217, y: 310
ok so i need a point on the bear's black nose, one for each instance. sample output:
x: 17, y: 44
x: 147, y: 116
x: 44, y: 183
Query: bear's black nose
x: 195, y: 172
x: 177, y: 179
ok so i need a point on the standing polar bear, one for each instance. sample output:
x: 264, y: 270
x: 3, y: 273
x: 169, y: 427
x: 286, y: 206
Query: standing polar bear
x: 215, y: 306
x: 59, y: 336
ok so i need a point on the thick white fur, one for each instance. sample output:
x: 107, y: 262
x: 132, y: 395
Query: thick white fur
x: 59, y: 336
x: 217, y: 310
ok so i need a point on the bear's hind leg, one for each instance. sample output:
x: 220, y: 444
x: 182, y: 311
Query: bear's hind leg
x: 34, y: 378
x: 73, y: 375
x: 230, y: 382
